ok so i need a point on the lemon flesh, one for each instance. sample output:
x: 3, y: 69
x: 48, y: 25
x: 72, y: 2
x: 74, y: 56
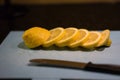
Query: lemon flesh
x: 70, y: 34
x: 92, y: 40
x: 55, y: 35
x: 35, y: 36
x: 109, y: 42
x: 104, y: 38
x: 81, y: 38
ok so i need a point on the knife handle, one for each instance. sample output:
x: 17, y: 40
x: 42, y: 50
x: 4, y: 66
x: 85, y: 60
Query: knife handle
x: 105, y: 68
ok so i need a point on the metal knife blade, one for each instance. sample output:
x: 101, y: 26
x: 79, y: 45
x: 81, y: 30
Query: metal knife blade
x: 106, y: 68
x: 60, y: 63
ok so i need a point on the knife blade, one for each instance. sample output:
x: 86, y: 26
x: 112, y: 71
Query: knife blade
x: 105, y: 68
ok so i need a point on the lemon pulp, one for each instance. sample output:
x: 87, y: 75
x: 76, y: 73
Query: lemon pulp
x: 92, y: 40
x: 70, y: 34
x: 81, y: 37
x: 55, y: 35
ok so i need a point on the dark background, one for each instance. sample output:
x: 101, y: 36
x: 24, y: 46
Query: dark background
x: 96, y: 16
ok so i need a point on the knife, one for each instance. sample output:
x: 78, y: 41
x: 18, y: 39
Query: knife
x: 105, y: 68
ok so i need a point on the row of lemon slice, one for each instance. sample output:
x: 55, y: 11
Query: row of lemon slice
x: 71, y: 37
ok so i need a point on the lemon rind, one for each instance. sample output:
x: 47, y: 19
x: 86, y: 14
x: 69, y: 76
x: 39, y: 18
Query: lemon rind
x: 53, y: 41
x: 78, y: 43
x: 65, y: 42
x: 92, y: 44
x: 103, y: 42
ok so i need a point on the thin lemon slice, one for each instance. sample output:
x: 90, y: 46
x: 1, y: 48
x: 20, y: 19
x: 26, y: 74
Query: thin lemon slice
x: 109, y: 42
x: 81, y: 38
x: 69, y: 36
x: 35, y: 36
x: 104, y: 38
x: 56, y: 34
x: 92, y: 40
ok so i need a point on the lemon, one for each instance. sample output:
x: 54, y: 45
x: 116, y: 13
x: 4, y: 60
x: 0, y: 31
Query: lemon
x: 92, y: 40
x: 70, y: 34
x: 35, y: 36
x: 55, y: 35
x: 109, y: 42
x: 81, y: 38
x: 104, y: 38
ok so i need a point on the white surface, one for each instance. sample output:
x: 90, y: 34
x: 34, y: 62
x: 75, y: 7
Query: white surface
x: 14, y: 59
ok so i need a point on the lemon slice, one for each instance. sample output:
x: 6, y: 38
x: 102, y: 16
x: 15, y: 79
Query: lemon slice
x: 92, y: 40
x: 55, y: 35
x: 35, y: 36
x: 109, y: 42
x: 70, y: 35
x: 104, y: 38
x: 81, y: 38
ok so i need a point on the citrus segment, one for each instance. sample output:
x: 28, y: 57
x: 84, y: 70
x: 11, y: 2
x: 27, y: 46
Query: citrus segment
x: 104, y: 37
x: 109, y: 42
x: 92, y: 40
x: 70, y: 34
x: 35, y: 36
x: 81, y: 38
x: 55, y: 35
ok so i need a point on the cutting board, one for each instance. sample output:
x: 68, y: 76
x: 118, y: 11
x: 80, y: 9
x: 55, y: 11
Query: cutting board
x: 15, y: 56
